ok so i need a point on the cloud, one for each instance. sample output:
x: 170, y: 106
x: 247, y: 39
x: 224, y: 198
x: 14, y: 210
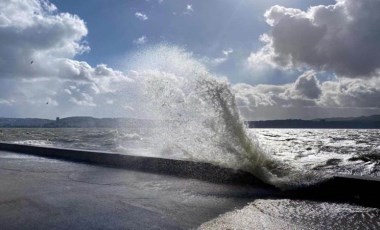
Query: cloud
x: 357, y: 93
x: 307, y: 86
x: 227, y: 52
x: 41, y: 77
x: 308, y: 98
x: 2, y: 101
x: 38, y: 70
x: 84, y: 99
x: 141, y: 40
x: 254, y: 97
x: 74, y: 87
x: 189, y: 9
x: 342, y: 38
x: 141, y: 16
x: 37, y: 42
x: 34, y: 38
x: 44, y: 74
x: 127, y: 107
x: 219, y: 60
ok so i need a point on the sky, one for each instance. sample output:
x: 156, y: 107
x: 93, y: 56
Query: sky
x: 283, y: 59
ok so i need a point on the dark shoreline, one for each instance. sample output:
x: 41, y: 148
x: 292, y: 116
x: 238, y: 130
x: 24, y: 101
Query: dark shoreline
x: 368, y: 122
x: 315, y: 124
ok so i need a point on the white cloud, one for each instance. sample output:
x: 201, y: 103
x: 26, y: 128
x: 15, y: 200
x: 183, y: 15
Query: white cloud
x: 48, y: 101
x: 189, y: 9
x: 35, y: 31
x: 37, y: 47
x: 5, y: 102
x: 342, y: 38
x: 33, y: 37
x: 227, y: 52
x: 141, y: 16
x: 141, y: 40
x: 357, y: 93
x: 67, y: 91
x: 127, y: 107
x: 308, y: 98
x: 83, y: 99
x: 219, y: 60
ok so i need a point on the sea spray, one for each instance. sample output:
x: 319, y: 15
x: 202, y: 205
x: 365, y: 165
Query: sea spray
x: 198, y: 118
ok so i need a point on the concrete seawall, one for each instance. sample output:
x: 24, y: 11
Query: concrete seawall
x: 361, y: 190
x: 181, y: 168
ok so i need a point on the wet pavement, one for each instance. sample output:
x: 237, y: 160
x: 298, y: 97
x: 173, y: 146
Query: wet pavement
x: 42, y: 193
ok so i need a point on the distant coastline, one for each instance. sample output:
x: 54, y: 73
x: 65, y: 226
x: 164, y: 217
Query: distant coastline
x: 72, y: 122
x: 365, y: 122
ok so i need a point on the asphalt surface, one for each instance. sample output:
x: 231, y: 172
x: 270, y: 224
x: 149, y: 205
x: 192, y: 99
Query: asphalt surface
x: 42, y: 193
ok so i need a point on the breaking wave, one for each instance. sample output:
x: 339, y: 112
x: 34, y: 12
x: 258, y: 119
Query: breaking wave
x: 199, y: 119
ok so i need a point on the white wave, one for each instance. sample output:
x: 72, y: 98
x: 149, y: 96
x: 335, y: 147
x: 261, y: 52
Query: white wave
x: 34, y: 142
x: 200, y: 120
x: 131, y: 136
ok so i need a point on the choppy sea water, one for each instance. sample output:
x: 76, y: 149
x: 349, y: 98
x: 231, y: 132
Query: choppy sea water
x: 125, y: 141
x: 345, y: 151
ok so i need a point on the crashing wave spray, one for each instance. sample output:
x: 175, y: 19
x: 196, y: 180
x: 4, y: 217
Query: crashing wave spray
x: 200, y: 120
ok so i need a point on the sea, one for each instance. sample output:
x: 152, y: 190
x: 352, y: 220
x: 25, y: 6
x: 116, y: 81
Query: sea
x: 331, y: 151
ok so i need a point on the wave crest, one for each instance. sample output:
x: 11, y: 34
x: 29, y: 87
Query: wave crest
x: 199, y: 119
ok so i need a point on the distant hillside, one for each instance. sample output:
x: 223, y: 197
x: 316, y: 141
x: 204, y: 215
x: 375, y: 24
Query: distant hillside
x: 362, y: 118
x: 72, y: 122
x: 369, y: 122
x: 364, y: 122
x: 23, y: 122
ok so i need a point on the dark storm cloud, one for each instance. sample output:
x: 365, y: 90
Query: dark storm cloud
x: 307, y: 86
x: 343, y: 38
